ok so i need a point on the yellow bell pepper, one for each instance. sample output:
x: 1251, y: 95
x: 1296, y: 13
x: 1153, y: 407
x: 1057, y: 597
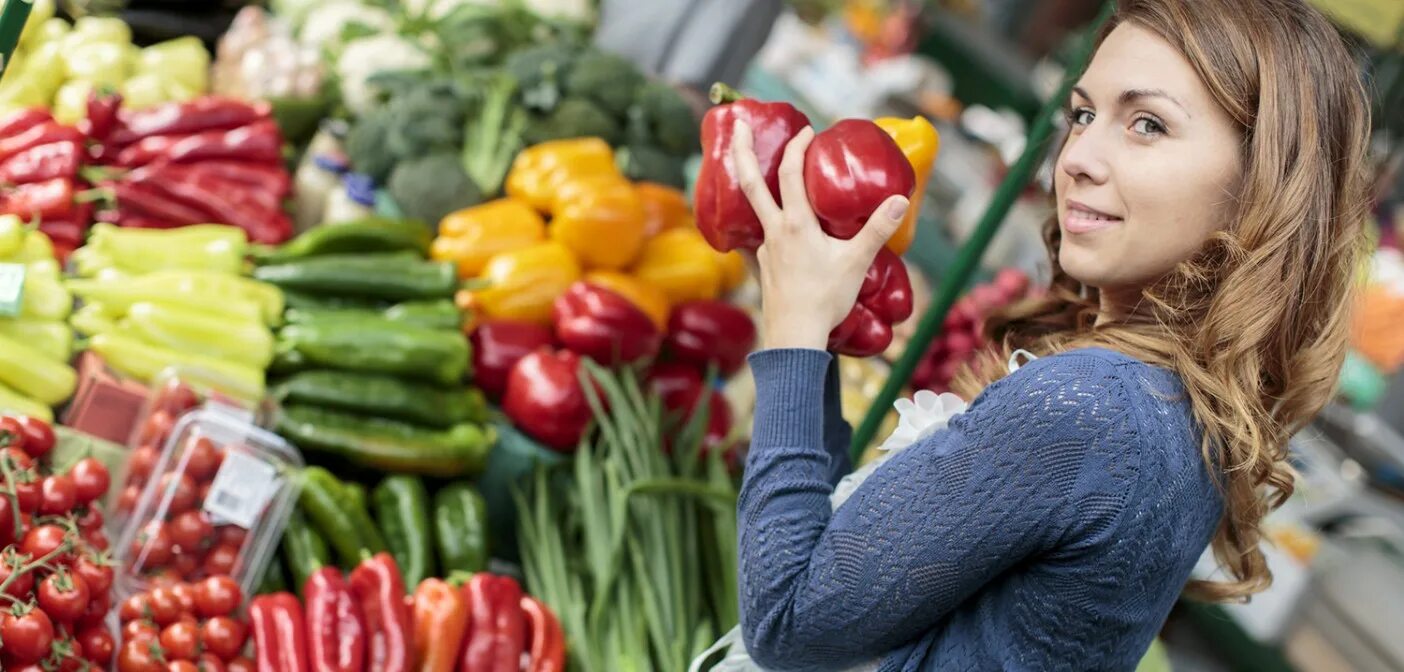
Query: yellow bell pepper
x: 733, y: 270
x: 920, y: 143
x: 664, y: 208
x: 539, y: 170
x: 601, y: 220
x: 682, y: 264
x: 472, y: 236
x: 523, y: 284
x: 651, y: 300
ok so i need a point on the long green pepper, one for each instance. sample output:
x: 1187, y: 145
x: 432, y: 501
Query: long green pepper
x: 379, y: 346
x: 387, y: 396
x: 304, y: 549
x: 389, y: 445
x: 393, y: 276
x: 325, y: 502
x: 461, y: 527
x: 401, y: 505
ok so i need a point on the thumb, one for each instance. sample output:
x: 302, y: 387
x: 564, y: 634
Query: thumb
x: 884, y: 222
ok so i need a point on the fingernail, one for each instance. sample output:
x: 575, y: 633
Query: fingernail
x: 897, y: 209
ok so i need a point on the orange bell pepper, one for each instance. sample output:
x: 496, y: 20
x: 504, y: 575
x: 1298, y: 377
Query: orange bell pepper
x: 682, y: 264
x: 522, y: 284
x: 664, y: 208
x: 539, y: 170
x: 651, y: 300
x: 920, y: 143
x: 472, y: 236
x: 601, y: 220
x: 733, y: 270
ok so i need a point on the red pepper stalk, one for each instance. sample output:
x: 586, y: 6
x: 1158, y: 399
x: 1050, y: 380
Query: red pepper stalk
x: 380, y: 590
x: 604, y: 326
x: 849, y: 170
x: 336, y: 630
x: 280, y: 642
x: 497, y: 624
x: 547, y: 639
x: 546, y: 400
x: 206, y: 113
x: 724, y: 216
x: 884, y: 300
x: 498, y: 345
x: 707, y: 333
x: 260, y: 142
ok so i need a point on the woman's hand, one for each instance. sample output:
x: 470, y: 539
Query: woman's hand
x: 809, y: 281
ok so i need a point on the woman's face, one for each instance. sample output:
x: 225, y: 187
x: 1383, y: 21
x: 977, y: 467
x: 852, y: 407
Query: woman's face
x: 1149, y: 170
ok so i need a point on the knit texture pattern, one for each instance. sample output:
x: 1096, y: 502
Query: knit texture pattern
x: 1050, y: 527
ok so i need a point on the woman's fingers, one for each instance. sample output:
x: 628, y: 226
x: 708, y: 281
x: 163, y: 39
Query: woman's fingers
x: 882, y: 224
x: 748, y: 176
x: 792, y: 192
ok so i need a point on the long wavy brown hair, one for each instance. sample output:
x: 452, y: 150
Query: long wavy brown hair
x: 1256, y: 323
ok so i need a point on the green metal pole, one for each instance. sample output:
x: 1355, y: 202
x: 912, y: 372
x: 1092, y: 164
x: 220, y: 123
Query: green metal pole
x: 12, y: 20
x: 968, y: 260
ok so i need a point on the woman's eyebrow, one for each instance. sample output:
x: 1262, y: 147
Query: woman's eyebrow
x: 1133, y: 95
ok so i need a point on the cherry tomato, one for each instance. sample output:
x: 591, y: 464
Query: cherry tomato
x: 141, y: 656
x: 209, y: 662
x: 16, y: 459
x: 157, y: 428
x: 11, y: 432
x: 7, y: 521
x: 224, y: 636
x: 181, y: 666
x: 204, y: 460
x: 217, y: 596
x: 127, y: 501
x: 165, y: 606
x: 185, y: 594
x: 202, y: 491
x: 192, y: 530
x: 59, y: 495
x: 152, y: 548
x: 98, y: 645
x: 96, y: 613
x: 181, y: 641
x: 186, y: 563
x: 28, y: 490
x: 69, y: 652
x: 63, y: 596
x: 222, y: 561
x: 232, y: 535
x: 32, y: 667
x: 141, y: 462
x: 177, y: 398
x: 163, y: 577
x: 91, y: 479
x: 38, y: 436
x: 39, y: 542
x: 9, y: 562
x: 27, y: 638
x: 141, y: 629
x: 90, y: 519
x: 136, y: 607
x: 97, y: 539
x: 239, y: 665
x: 98, y: 576
x: 181, y: 491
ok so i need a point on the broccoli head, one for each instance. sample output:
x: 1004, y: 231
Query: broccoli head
x: 606, y: 79
x: 366, y: 144
x: 429, y: 187
x: 573, y: 118
x: 541, y: 72
x: 662, y: 116
x: 424, y: 120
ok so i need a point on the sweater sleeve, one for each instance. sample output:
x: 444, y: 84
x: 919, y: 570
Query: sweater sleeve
x: 838, y: 434
x: 1008, y: 479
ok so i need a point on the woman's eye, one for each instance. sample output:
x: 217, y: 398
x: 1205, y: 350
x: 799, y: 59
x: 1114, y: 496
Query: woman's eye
x: 1081, y: 116
x: 1147, y: 126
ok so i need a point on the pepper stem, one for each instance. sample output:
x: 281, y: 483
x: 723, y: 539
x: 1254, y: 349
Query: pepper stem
x: 721, y: 93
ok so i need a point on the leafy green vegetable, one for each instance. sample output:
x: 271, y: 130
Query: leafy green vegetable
x: 493, y: 135
x: 428, y: 187
x: 606, y: 80
x: 540, y: 72
x: 661, y: 117
x: 573, y: 118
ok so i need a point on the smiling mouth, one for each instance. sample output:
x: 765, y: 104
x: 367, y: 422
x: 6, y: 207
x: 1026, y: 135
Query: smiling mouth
x: 1084, y: 219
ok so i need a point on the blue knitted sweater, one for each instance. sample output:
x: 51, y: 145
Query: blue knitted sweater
x: 1050, y: 527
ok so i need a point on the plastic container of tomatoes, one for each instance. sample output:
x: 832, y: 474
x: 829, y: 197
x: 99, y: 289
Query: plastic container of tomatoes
x: 173, y: 393
x: 214, y: 504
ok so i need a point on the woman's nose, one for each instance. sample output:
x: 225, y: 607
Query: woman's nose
x: 1083, y: 157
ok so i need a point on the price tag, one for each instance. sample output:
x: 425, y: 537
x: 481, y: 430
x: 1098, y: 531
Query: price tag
x: 11, y: 289
x: 241, y: 490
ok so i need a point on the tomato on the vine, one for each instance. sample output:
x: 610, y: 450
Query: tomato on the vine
x: 186, y: 564
x: 38, y: 436
x: 90, y: 478
x: 69, y: 654
x: 7, y: 521
x: 152, y: 548
x: 217, y: 596
x: 141, y: 656
x: 59, y: 495
x: 11, y: 432
x: 96, y: 539
x: 192, y: 530
x: 63, y: 596
x: 28, y: 490
x: 98, y: 645
x: 135, y: 607
x: 181, y: 491
x: 223, y: 636
x: 209, y: 662
x: 181, y: 640
x: 185, y: 593
x: 181, y: 666
x: 11, y: 562
x: 204, y: 459
x: 96, y: 613
x: 90, y: 519
x: 40, y: 541
x: 165, y: 606
x: 96, y: 573
x: 28, y: 637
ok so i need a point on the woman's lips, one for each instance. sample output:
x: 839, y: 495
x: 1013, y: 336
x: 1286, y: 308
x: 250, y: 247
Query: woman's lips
x: 1081, y: 218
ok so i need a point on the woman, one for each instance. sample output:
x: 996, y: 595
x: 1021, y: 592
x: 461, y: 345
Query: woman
x: 1210, y: 199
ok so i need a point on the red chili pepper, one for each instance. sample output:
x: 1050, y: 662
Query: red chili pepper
x: 497, y: 629
x: 380, y: 592
x: 71, y: 228
x: 707, y: 332
x: 259, y: 142
x: 497, y: 345
x: 41, y: 134
x: 146, y: 200
x: 680, y: 386
x: 336, y: 629
x: 43, y: 162
x: 884, y: 300
x: 547, y: 638
x: 603, y: 325
x: 207, y: 113
x: 235, y: 184
x: 280, y: 642
x: 102, y: 115
x: 130, y: 220
x: 220, y: 203
x: 270, y: 179
x: 44, y: 200
x: 22, y: 120
x: 849, y: 170
x: 546, y: 400
x: 724, y: 216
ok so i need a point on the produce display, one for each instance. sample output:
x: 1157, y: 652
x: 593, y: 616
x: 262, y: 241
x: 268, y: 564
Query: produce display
x: 962, y: 334
x: 184, y: 625
x: 35, y: 340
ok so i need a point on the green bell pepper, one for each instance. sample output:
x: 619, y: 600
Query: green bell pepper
x: 461, y: 528
x: 382, y: 395
x: 393, y: 276
x: 389, y: 445
x: 401, y: 506
x: 370, y: 234
x: 380, y: 346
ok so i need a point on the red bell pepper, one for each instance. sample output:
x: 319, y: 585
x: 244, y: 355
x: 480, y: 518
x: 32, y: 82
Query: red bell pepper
x: 724, y: 216
x: 380, y: 591
x: 207, y: 113
x: 497, y: 345
x: 43, y: 162
x: 336, y: 629
x: 258, y: 142
x: 546, y: 400
x: 547, y: 639
x: 707, y: 332
x: 884, y: 300
x: 603, y: 325
x: 280, y: 642
x: 849, y: 170
x: 22, y: 120
x: 50, y: 199
x: 497, y: 625
x: 44, y: 133
x: 102, y: 115
x: 681, y: 386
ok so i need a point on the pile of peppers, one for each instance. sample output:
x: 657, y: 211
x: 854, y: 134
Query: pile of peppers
x: 368, y: 621
x: 39, y: 163
x: 36, y: 343
x: 849, y: 170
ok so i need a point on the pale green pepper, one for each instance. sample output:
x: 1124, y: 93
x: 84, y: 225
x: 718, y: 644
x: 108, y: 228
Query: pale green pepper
x: 118, y: 297
x: 208, y: 247
x: 33, y: 374
x: 248, y: 343
x: 92, y: 319
x: 182, y: 60
x: 103, y: 29
x: 39, y: 27
x: 45, y: 298
x: 12, y: 235
x: 203, y: 283
x: 14, y: 402
x: 143, y: 91
x: 71, y: 101
x: 37, y: 247
x: 53, y: 338
x: 132, y: 357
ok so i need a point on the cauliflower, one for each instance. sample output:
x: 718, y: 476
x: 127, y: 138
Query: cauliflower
x: 325, y: 24
x: 582, y: 11
x: 438, y: 9
x: 367, y: 56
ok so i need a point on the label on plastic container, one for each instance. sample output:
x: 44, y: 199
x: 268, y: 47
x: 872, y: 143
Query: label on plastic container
x: 241, y: 490
x: 11, y: 289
